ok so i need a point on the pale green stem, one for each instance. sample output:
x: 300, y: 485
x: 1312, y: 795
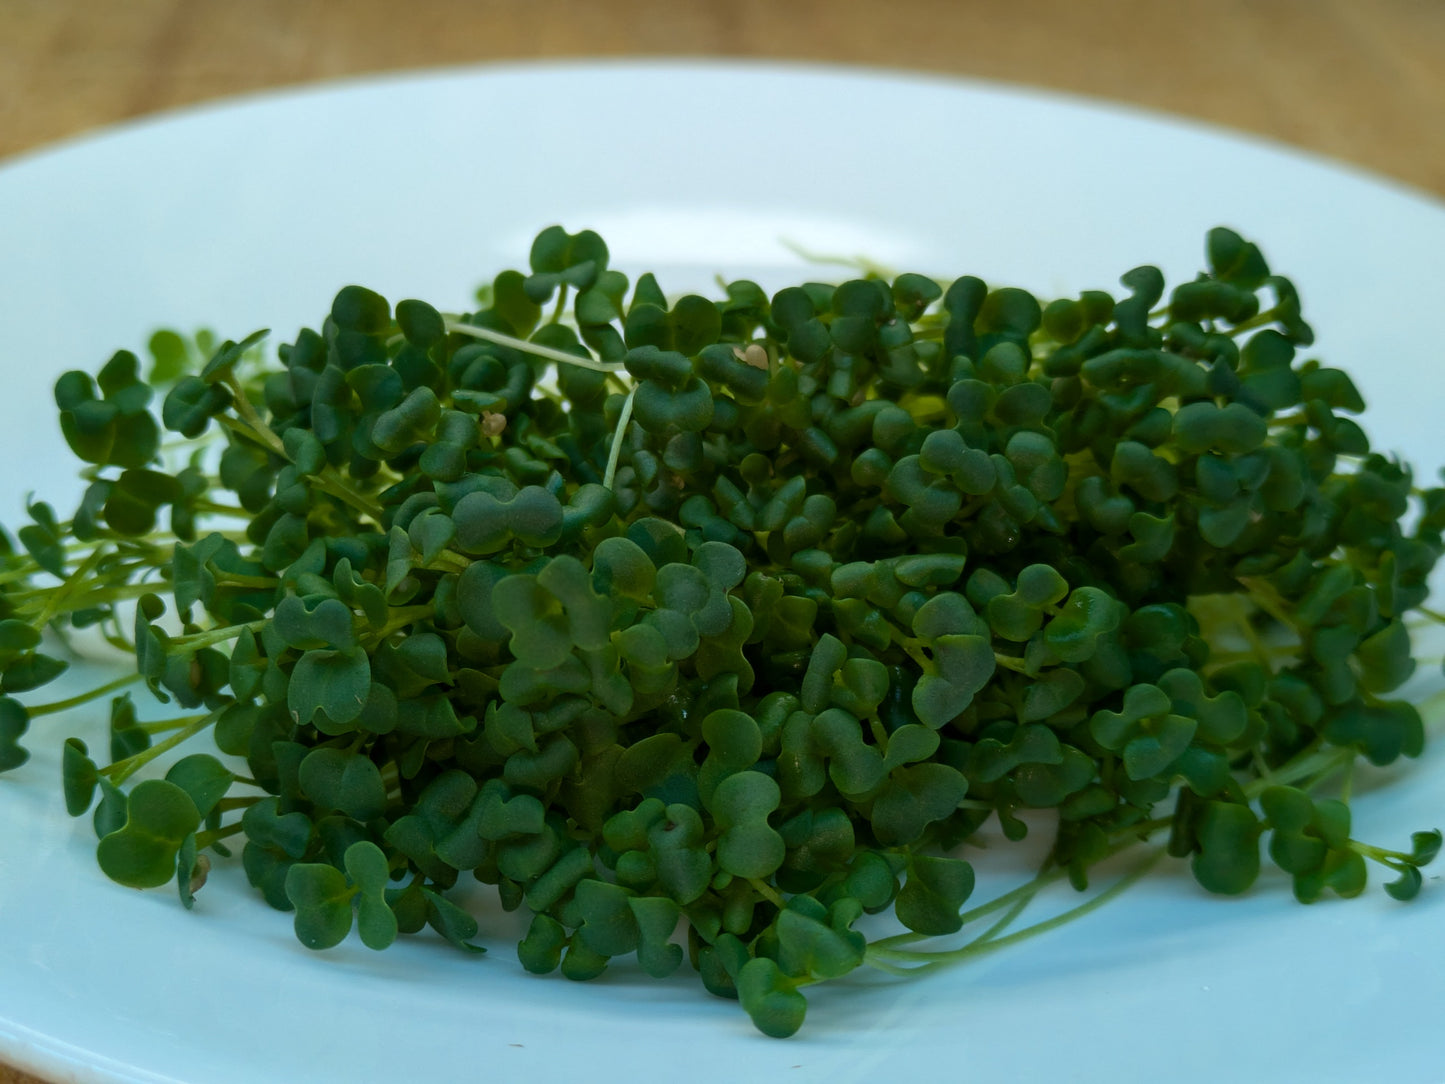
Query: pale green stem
x: 210, y: 838
x: 535, y: 349
x: 1314, y: 765
x: 860, y: 263
x: 614, y: 454
x: 122, y: 770
x: 766, y: 891
x: 198, y: 640
x: 238, y: 579
x: 119, y: 593
x: 400, y: 619
x: 253, y: 420
x: 929, y: 961
x: 68, y: 589
x: 83, y: 698
x: 330, y: 482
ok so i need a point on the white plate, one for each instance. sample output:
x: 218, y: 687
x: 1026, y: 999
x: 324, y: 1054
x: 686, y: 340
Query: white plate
x: 252, y: 214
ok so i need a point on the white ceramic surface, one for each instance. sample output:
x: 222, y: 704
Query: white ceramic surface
x: 253, y: 213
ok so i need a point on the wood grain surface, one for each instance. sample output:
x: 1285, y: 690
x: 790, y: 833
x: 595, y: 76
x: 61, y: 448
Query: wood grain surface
x: 1359, y: 80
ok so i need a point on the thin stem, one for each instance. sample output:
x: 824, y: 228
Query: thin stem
x: 535, y: 349
x: 400, y: 619
x: 1118, y: 887
x: 1143, y: 830
x: 1263, y: 594
x: 930, y: 961
x: 450, y: 560
x: 614, y: 454
x: 1262, y: 654
x: 82, y: 698
x: 915, y: 651
x: 213, y: 508
x: 163, y: 726
x: 25, y: 565
x: 215, y: 835
x: 1004, y: 921
x: 119, y: 642
x: 766, y: 891
x: 247, y: 412
x: 878, y: 730
x: 881, y: 963
x: 230, y: 805
x: 122, y: 770
x: 1134, y: 834
x: 1393, y: 859
x: 16, y: 574
x: 236, y: 425
x: 217, y: 636
x: 1025, y: 891
x: 117, y: 593
x: 1313, y: 763
x: 1261, y: 768
x: 69, y: 587
x: 860, y: 263
x: 249, y: 423
x: 390, y: 776
x: 238, y: 579
x: 330, y: 482
x: 1260, y: 320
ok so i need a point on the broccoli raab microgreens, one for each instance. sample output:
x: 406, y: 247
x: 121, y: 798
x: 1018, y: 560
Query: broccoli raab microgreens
x: 702, y: 628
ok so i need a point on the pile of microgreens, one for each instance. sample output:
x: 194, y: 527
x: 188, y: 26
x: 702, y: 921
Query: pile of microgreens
x: 702, y: 628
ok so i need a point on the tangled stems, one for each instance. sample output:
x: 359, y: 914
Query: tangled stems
x: 1310, y: 768
x: 885, y: 955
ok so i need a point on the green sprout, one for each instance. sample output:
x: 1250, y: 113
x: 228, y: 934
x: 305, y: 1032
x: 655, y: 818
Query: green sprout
x: 702, y: 629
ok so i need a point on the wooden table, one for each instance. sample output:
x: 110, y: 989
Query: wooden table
x: 1361, y: 80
